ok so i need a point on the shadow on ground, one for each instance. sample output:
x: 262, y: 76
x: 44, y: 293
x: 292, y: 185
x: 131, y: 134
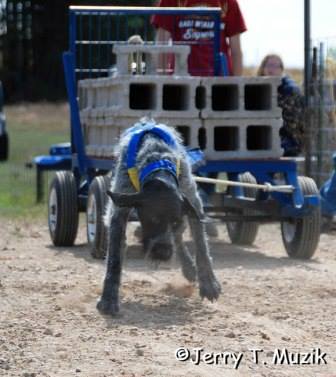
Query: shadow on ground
x: 225, y: 256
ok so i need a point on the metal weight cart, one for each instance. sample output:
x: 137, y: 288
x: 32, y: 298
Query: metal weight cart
x: 112, y: 83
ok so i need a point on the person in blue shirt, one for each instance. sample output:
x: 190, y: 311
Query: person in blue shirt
x: 291, y: 101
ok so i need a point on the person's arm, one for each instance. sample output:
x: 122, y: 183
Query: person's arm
x: 237, y: 55
x: 162, y: 37
x: 234, y: 27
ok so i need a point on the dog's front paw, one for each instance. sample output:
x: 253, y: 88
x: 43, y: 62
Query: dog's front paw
x: 108, y: 307
x: 210, y: 289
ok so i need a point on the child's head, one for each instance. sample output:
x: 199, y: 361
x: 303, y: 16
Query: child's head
x: 271, y: 65
x: 135, y: 40
x: 135, y: 60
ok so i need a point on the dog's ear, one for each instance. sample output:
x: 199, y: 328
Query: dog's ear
x: 126, y: 200
x: 190, y: 210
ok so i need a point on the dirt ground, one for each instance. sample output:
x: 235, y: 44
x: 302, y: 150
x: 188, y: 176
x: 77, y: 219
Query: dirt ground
x: 49, y: 325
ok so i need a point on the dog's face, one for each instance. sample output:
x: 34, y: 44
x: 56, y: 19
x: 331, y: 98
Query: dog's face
x: 160, y: 216
x: 160, y: 208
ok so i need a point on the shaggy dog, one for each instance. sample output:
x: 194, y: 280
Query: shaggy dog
x: 153, y: 176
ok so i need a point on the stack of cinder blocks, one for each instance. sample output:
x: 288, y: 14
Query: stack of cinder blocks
x: 227, y: 117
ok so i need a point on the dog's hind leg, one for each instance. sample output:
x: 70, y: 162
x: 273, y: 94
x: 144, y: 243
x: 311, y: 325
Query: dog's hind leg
x: 187, y: 262
x: 109, y: 301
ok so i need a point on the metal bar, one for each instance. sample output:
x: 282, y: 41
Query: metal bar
x: 109, y: 31
x: 297, y: 196
x: 307, y: 49
x: 239, y: 218
x: 252, y: 166
x: 76, y: 129
x: 146, y: 31
x: 102, y: 164
x: 81, y: 62
x: 320, y: 148
x: 72, y: 38
x: 93, y: 42
x: 232, y: 204
x: 39, y: 184
x: 127, y: 35
x: 143, y: 10
x: 307, y: 81
x: 265, y: 187
x: 118, y: 28
x: 91, y: 70
x: 97, y: 12
x: 99, y: 26
x: 90, y: 46
x: 311, y: 115
x: 217, y: 44
x: 270, y: 208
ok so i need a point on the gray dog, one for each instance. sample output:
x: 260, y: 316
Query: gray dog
x: 153, y: 176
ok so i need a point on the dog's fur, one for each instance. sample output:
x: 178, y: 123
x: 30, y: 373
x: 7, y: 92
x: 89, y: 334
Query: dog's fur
x: 161, y: 205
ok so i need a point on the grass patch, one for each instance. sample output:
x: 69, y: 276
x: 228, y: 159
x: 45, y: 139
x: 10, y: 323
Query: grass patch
x: 32, y: 129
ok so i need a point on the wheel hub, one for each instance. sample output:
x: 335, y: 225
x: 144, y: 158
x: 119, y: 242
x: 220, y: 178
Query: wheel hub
x: 53, y: 210
x: 92, y: 219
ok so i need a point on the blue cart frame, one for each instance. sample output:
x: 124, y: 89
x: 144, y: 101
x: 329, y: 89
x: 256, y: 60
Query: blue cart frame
x: 82, y: 165
x: 293, y: 207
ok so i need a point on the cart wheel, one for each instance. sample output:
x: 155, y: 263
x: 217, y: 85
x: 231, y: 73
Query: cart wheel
x: 95, y: 229
x: 63, y: 209
x: 107, y: 179
x: 240, y: 232
x: 4, y: 147
x: 301, y: 235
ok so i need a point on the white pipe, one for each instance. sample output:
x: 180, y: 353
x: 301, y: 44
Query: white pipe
x: 265, y: 187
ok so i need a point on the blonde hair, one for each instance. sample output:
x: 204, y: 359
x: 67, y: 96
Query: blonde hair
x: 135, y: 60
x: 261, y: 68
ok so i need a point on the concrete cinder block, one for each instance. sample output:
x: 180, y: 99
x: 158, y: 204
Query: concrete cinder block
x: 137, y: 96
x: 93, y: 136
x: 149, y: 54
x: 179, y: 97
x: 91, y: 92
x: 240, y: 97
x: 104, y: 135
x: 242, y: 138
x: 227, y: 117
x: 176, y: 96
x: 188, y: 129
x: 155, y: 96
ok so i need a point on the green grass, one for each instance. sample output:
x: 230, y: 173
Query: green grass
x: 32, y: 129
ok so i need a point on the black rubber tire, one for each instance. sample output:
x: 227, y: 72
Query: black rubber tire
x: 240, y: 232
x: 108, y: 179
x: 63, y: 212
x: 4, y: 146
x: 95, y: 209
x: 301, y: 235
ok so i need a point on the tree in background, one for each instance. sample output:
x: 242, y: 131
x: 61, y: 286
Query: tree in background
x: 33, y: 35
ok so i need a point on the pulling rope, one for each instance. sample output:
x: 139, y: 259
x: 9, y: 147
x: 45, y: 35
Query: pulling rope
x: 265, y: 187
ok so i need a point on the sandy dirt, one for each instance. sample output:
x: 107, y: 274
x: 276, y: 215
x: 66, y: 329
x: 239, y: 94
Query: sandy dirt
x: 49, y: 325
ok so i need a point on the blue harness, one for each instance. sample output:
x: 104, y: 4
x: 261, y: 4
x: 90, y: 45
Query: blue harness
x: 137, y: 133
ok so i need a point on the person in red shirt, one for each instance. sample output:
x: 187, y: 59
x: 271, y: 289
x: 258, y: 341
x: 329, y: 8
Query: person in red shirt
x: 199, y: 33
